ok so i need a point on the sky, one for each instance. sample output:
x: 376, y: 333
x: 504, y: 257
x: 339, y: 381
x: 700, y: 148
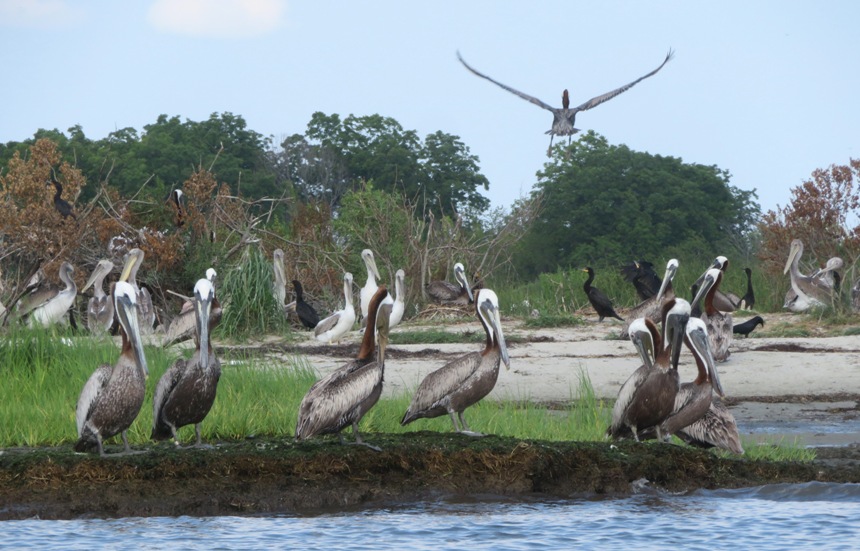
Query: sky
x: 766, y: 90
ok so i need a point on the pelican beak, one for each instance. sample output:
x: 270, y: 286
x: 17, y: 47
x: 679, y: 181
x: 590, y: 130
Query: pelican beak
x: 677, y: 324
x: 707, y: 283
x: 203, y: 305
x: 127, y: 313
x: 130, y: 261
x: 496, y: 321
x: 101, y: 270
x: 383, y: 314
x: 645, y: 348
x: 371, y: 264
x: 667, y: 278
x: 792, y: 253
x: 699, y: 340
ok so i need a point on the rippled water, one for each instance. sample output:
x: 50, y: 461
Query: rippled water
x: 826, y: 516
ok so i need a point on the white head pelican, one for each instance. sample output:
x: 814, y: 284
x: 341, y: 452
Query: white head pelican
x: 720, y: 325
x: 370, y: 286
x: 443, y: 292
x: 56, y: 303
x: 338, y: 324
x: 399, y: 307
x: 133, y: 260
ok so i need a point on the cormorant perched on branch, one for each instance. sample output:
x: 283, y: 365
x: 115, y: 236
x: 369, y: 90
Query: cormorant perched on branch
x: 643, y: 277
x: 598, y: 300
x: 62, y: 206
x: 563, y: 119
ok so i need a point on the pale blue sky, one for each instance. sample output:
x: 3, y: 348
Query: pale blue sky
x: 766, y: 90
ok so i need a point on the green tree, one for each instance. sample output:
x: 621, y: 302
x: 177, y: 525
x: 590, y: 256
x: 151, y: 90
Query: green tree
x: 606, y: 204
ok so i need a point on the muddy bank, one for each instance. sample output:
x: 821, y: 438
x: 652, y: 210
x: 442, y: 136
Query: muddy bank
x: 257, y: 477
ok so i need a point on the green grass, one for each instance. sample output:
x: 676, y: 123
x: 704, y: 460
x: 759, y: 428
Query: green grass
x: 554, y: 320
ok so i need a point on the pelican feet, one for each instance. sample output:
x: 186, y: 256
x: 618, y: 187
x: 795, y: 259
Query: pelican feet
x: 472, y: 433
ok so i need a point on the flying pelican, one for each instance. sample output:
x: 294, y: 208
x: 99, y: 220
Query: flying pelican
x: 338, y: 324
x: 600, y: 302
x: 563, y: 119
x: 112, y: 396
x: 54, y: 305
x: 720, y: 326
x: 279, y: 285
x: 307, y: 315
x: 182, y: 327
x: 652, y: 308
x: 811, y: 292
x: 133, y: 260
x: 748, y: 300
x: 343, y: 397
x: 442, y: 292
x: 370, y: 287
x: 100, y: 307
x: 185, y: 393
x: 647, y: 397
x: 399, y: 307
x: 63, y: 207
x: 466, y: 380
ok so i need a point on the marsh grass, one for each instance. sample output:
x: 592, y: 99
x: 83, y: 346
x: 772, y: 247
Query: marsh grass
x: 553, y: 320
x: 777, y: 450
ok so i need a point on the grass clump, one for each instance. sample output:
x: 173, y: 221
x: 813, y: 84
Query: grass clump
x: 553, y: 320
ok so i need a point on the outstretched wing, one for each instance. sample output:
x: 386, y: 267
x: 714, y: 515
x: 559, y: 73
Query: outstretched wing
x: 595, y: 101
x: 93, y: 387
x: 526, y: 97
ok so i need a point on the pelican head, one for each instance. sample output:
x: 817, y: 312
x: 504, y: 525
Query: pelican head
x: 721, y: 262
x: 400, y: 283
x: 643, y: 339
x: 671, y: 269
x: 383, y: 315
x: 697, y: 335
x: 103, y: 268
x: 211, y: 274
x: 125, y: 306
x: 793, y: 254
x: 133, y: 260
x: 675, y: 328
x: 460, y: 276
x: 347, y: 287
x: 711, y: 278
x: 488, y: 310
x: 370, y: 263
x: 204, y: 294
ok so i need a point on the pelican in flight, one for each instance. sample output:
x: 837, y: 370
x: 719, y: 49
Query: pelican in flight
x: 343, y: 397
x: 339, y: 323
x: 370, y: 286
x: 100, y: 307
x: 563, y: 119
x: 133, y: 260
x: 443, y: 292
x: 53, y: 304
x: 647, y: 397
x: 113, y: 395
x: 399, y: 307
x: 720, y: 326
x: 185, y: 393
x: 464, y: 381
x: 652, y: 308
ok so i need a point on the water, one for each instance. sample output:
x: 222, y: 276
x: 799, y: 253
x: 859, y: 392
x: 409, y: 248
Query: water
x: 788, y: 516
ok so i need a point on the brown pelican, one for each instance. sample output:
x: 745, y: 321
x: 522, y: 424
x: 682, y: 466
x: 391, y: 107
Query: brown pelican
x: 647, y: 397
x: 399, y: 307
x: 563, y: 119
x: 722, y: 301
x: 600, y: 302
x: 343, y: 397
x: 719, y: 323
x: 133, y: 260
x: 279, y: 285
x: 370, y: 287
x: 112, y: 397
x: 340, y: 323
x: 307, y: 315
x: 185, y: 393
x: 652, y: 308
x: 466, y: 380
x: 811, y: 292
x: 55, y: 303
x: 100, y: 307
x: 63, y: 207
x: 748, y: 300
x: 442, y: 292
x: 183, y: 326
x: 828, y: 276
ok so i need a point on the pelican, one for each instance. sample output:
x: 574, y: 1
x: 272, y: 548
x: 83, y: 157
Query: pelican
x: 399, y: 307
x: 370, y: 287
x: 722, y: 301
x: 647, y: 397
x: 828, y: 276
x: 811, y: 292
x: 176, y: 197
x: 720, y: 326
x: 442, y: 292
x: 563, y: 119
x: 133, y: 260
x: 63, y: 207
x: 748, y: 300
x: 56, y: 303
x: 112, y: 396
x: 185, y: 393
x: 307, y: 315
x: 279, y: 285
x: 100, y: 307
x: 652, y: 308
x: 182, y: 327
x: 343, y: 397
x: 466, y: 380
x: 600, y: 302
x: 338, y: 324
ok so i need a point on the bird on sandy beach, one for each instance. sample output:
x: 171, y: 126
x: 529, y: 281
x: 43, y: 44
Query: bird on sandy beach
x: 744, y: 329
x: 340, y: 322
x: 599, y: 301
x: 563, y: 119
